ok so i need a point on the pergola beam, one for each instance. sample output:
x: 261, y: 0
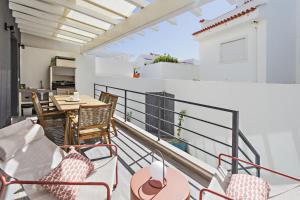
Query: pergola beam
x: 34, y: 26
x: 47, y: 36
x: 57, y: 10
x: 33, y: 14
x: 139, y: 3
x: 23, y: 17
x: 44, y: 32
x: 83, y: 10
x: 159, y: 10
x: 105, y: 8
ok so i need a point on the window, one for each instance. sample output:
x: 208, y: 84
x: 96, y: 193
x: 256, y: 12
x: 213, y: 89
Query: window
x: 234, y: 51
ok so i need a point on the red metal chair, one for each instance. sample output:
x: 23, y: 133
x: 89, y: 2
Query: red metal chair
x: 205, y: 190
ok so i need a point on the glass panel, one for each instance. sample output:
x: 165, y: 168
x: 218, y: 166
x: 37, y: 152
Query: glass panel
x: 88, y: 20
x: 70, y: 38
x: 119, y: 6
x: 98, y: 9
x: 78, y: 31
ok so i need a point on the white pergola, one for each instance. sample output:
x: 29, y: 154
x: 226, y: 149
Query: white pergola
x: 92, y: 23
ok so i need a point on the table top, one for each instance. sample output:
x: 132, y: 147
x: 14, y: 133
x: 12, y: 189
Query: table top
x: 177, y: 187
x: 62, y: 103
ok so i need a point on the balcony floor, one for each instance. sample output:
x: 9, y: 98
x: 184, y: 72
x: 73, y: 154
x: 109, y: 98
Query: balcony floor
x: 132, y: 156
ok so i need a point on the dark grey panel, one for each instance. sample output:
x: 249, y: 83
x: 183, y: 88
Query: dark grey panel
x: 5, y: 62
x: 164, y: 114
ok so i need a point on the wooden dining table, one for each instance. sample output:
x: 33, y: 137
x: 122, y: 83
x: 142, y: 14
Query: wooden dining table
x: 69, y: 106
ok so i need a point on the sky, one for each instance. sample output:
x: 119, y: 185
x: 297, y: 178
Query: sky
x: 174, y: 40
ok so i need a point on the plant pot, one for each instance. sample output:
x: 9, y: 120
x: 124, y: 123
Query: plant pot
x: 180, y: 145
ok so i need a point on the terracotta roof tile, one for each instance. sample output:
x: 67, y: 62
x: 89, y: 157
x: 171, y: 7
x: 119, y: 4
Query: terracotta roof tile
x: 231, y: 18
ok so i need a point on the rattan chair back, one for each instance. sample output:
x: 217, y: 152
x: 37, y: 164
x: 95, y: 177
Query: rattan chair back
x: 36, y: 103
x: 94, y: 116
x: 113, y: 100
x: 104, y: 97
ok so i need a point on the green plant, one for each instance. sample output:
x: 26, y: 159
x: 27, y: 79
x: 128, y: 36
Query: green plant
x: 180, y: 122
x: 129, y: 116
x: 166, y: 58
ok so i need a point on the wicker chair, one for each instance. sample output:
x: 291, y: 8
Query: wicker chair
x: 47, y: 115
x: 91, y: 122
x: 113, y: 99
x: 104, y: 97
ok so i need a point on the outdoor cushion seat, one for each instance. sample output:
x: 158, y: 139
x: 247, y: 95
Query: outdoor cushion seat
x: 38, y: 158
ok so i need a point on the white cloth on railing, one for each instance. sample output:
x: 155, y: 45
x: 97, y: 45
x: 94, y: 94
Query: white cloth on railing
x: 15, y: 141
x: 16, y: 128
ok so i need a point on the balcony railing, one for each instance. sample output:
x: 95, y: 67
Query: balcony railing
x: 237, y: 137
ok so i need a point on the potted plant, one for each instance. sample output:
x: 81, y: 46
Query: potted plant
x: 166, y: 58
x: 129, y: 116
x: 180, y: 143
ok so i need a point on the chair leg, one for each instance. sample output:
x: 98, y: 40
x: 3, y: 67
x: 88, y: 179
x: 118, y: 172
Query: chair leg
x: 109, y: 142
x: 78, y: 138
x: 113, y: 124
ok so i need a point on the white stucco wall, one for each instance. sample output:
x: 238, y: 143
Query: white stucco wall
x: 34, y: 65
x: 85, y: 74
x: 281, y: 41
x: 164, y: 70
x: 268, y: 116
x: 274, y: 45
x: 248, y: 70
x: 114, y: 66
x: 298, y: 43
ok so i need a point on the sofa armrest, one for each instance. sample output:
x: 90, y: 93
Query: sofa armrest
x: 257, y: 166
x: 5, y: 183
x: 91, y: 146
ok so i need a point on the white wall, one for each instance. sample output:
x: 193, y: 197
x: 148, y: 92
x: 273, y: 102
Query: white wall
x: 211, y: 67
x: 268, y: 116
x: 164, y: 70
x: 36, y: 57
x: 34, y: 65
x: 114, y: 66
x: 282, y: 41
x: 298, y: 43
x: 85, y: 74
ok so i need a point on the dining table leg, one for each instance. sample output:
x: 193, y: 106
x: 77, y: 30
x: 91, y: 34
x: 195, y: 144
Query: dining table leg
x: 67, y: 129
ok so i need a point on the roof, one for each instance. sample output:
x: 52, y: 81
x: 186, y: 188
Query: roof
x: 92, y: 23
x: 244, y: 10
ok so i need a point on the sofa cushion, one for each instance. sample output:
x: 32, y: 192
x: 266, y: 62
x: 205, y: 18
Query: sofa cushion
x: 73, y: 168
x: 246, y: 187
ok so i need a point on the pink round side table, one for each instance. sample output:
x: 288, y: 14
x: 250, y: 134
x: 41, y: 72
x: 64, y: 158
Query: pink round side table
x: 177, y: 187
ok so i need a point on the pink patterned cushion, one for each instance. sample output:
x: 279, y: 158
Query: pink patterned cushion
x: 73, y: 168
x: 246, y: 187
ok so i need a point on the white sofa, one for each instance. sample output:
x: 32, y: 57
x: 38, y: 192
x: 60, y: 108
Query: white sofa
x: 39, y: 157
